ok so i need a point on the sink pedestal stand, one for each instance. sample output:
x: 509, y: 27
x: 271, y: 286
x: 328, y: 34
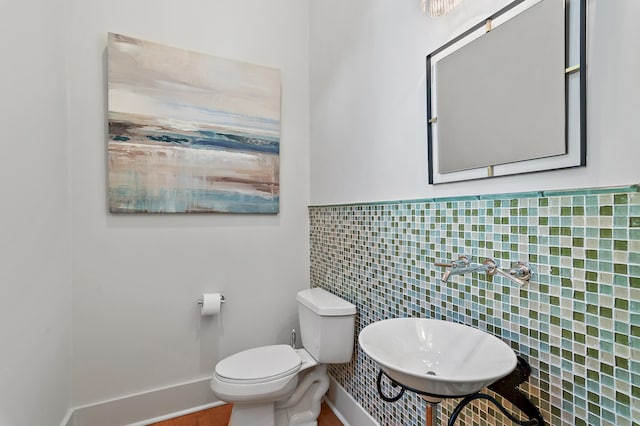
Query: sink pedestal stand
x: 507, y: 387
x: 431, y: 409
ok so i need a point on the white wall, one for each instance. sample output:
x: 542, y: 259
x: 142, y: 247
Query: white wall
x: 35, y: 248
x: 137, y: 277
x: 368, y: 105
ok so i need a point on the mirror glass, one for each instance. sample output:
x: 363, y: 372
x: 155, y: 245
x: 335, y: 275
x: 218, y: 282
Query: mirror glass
x: 505, y: 97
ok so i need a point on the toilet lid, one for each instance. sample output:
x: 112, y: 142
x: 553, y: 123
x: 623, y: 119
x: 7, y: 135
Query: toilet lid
x: 260, y: 364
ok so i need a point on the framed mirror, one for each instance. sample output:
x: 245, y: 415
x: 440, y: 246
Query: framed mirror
x: 508, y: 96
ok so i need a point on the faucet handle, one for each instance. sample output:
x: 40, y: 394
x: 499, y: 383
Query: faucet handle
x: 461, y: 262
x: 521, y: 270
x: 491, y: 265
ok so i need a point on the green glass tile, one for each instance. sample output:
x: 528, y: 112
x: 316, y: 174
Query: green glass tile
x: 593, y: 353
x: 622, y: 304
x: 622, y: 398
x: 620, y: 199
x: 619, y: 268
x: 606, y: 211
x: 622, y: 339
x: 606, y: 369
x: 606, y: 233
x: 620, y: 245
x: 606, y: 312
x: 634, y: 222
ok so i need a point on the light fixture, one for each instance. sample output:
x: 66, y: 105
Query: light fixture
x: 438, y: 7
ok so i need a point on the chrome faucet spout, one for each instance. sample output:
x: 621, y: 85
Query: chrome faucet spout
x: 461, y: 270
x: 454, y: 267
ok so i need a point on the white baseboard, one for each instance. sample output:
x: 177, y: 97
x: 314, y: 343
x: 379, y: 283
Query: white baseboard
x: 173, y: 401
x: 147, y: 407
x: 347, y: 409
x: 68, y: 419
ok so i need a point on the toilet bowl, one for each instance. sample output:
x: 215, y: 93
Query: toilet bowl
x: 280, y: 386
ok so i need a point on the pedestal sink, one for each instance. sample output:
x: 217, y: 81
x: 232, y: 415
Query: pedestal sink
x: 437, y: 358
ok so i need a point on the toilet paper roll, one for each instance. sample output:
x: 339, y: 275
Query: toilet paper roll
x: 210, y: 304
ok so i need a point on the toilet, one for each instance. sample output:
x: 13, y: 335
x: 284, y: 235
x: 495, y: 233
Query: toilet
x: 278, y: 385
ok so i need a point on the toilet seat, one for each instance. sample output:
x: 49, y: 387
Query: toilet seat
x: 259, y: 365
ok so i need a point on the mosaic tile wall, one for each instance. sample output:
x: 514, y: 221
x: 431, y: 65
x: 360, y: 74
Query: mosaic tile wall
x: 577, y: 322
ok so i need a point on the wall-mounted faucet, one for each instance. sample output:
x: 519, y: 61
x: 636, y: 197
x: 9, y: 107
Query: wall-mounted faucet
x: 461, y: 266
x: 519, y: 273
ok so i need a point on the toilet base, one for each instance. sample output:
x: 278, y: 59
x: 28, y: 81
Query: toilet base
x: 300, y: 408
x: 260, y: 414
x: 303, y: 407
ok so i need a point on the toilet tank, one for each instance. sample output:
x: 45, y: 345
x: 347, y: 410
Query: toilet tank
x: 327, y: 325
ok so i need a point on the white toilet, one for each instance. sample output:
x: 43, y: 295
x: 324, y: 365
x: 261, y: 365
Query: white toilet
x: 281, y: 386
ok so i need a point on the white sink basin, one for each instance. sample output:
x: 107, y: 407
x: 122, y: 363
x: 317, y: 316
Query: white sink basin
x: 436, y: 357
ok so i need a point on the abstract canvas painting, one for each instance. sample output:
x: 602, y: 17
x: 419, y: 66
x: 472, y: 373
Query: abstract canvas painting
x: 190, y: 132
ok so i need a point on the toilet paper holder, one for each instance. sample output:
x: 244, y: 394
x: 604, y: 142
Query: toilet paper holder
x: 200, y: 301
